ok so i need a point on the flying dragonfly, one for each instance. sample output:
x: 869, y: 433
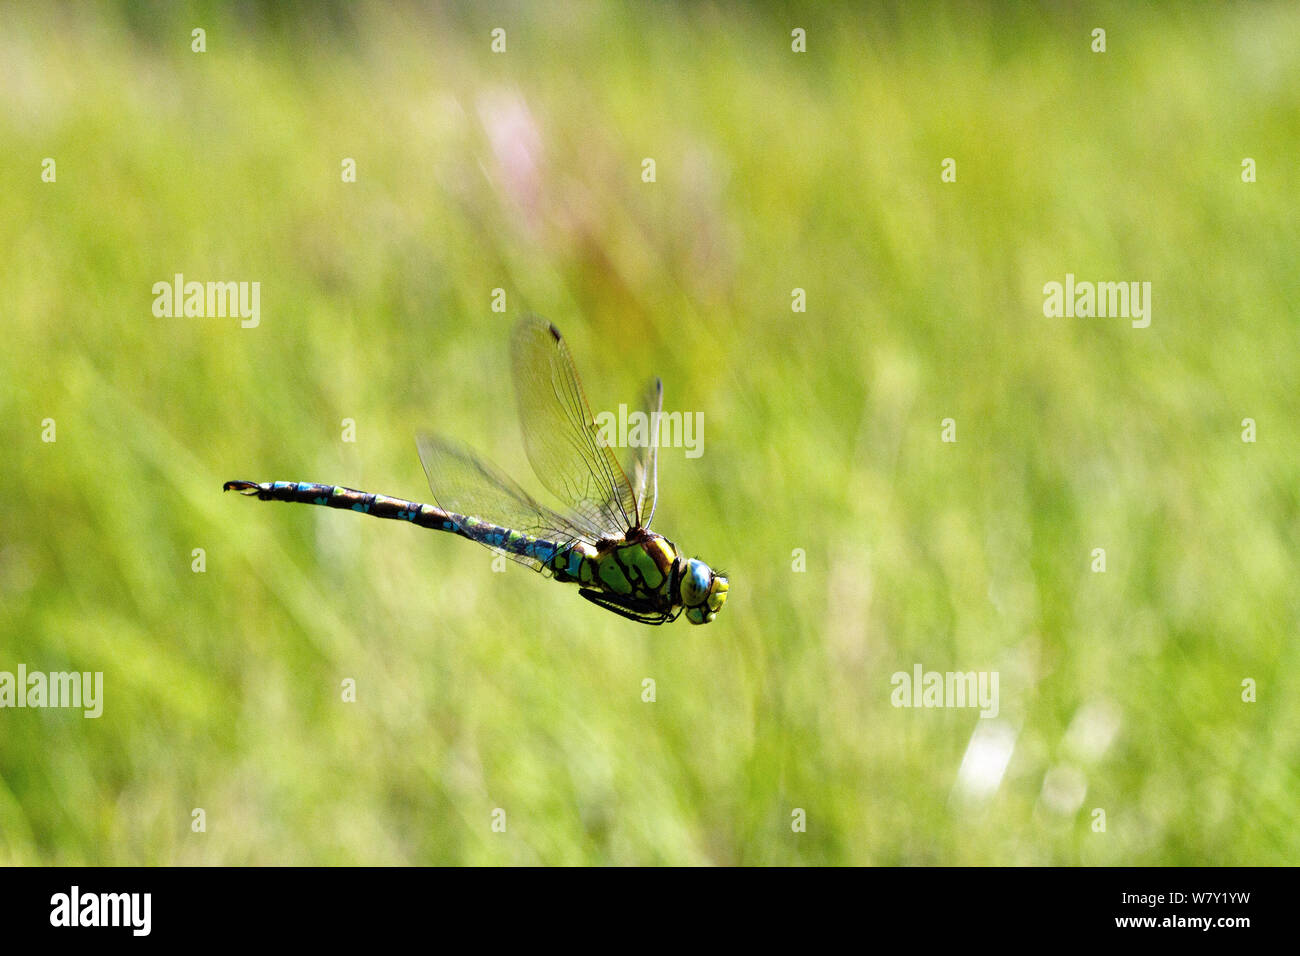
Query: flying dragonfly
x: 600, y: 541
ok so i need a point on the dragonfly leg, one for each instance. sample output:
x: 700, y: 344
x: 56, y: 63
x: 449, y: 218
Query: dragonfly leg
x: 627, y: 609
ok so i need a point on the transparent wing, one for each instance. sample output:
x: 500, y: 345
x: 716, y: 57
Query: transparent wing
x: 561, y: 437
x: 463, y: 483
x: 642, y: 464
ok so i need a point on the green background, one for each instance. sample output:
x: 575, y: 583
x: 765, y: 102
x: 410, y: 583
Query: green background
x: 775, y: 170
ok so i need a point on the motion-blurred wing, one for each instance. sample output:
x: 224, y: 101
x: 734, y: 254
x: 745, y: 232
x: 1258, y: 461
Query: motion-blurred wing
x: 464, y: 484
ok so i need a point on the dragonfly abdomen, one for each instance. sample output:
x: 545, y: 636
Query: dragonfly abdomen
x: 562, y: 560
x: 349, y: 499
x: 565, y: 561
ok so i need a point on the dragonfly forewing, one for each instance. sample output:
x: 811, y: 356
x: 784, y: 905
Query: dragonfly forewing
x: 643, y: 460
x: 561, y: 437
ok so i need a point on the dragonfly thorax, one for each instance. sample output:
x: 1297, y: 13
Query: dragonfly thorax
x: 639, y: 570
x: 644, y: 577
x: 702, y: 590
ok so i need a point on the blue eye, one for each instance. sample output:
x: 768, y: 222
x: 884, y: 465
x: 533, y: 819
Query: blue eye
x: 695, y: 585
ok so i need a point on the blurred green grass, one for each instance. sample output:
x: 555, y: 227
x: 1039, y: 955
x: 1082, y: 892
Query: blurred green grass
x: 521, y: 171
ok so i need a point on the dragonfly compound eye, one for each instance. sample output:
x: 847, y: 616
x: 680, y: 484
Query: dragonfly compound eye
x: 702, y: 592
x: 695, y: 583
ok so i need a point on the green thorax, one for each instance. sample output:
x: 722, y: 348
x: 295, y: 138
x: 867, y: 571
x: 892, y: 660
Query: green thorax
x: 638, y: 570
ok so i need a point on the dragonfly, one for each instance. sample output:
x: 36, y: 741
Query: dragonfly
x: 600, y: 539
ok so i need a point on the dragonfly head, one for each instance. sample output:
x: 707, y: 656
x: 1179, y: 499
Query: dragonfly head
x: 702, y: 590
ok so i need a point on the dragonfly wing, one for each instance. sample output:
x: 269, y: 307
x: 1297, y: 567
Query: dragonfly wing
x: 464, y: 484
x: 561, y: 437
x: 642, y: 466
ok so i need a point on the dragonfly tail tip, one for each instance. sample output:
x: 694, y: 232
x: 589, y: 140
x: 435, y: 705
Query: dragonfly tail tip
x: 243, y: 487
